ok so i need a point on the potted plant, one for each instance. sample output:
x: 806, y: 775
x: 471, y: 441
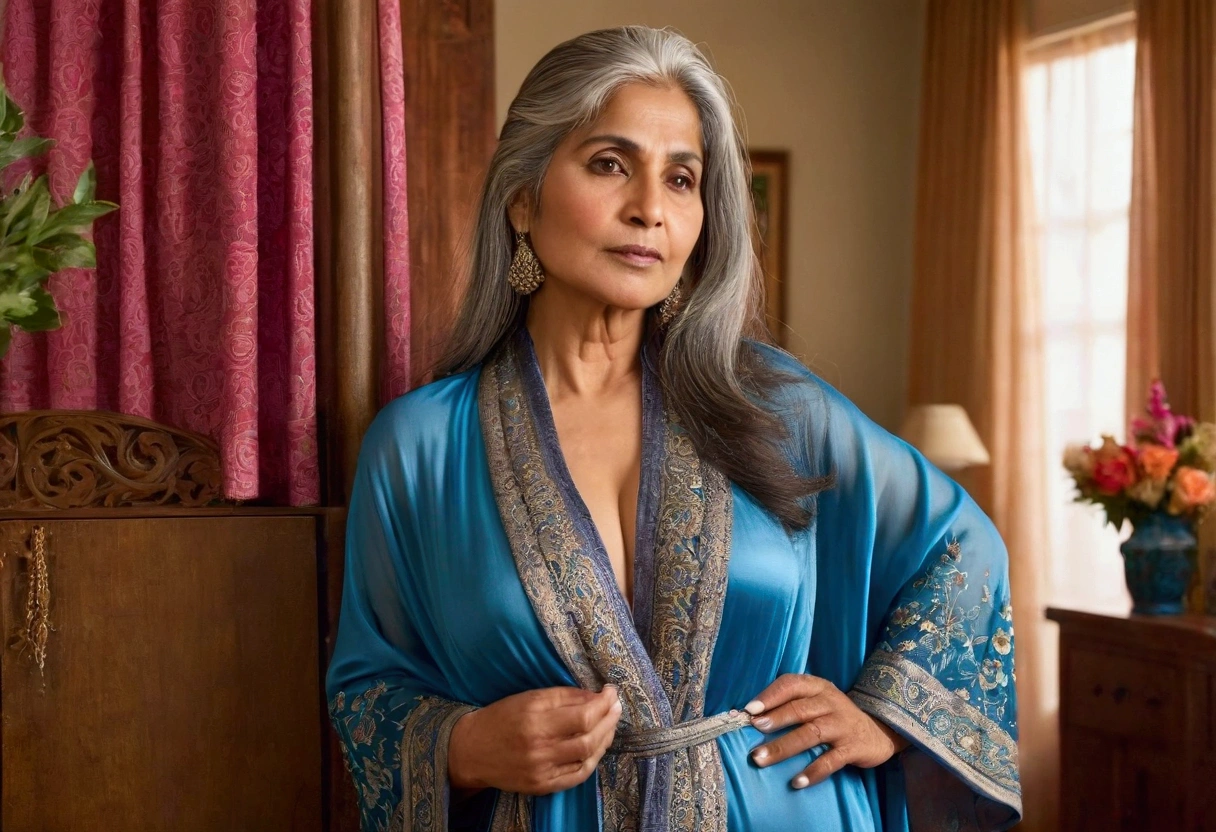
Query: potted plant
x: 36, y: 239
x: 1162, y: 483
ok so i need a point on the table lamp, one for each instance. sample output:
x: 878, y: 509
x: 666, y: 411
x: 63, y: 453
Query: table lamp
x: 944, y: 434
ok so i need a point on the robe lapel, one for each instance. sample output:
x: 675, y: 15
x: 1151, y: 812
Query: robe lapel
x: 684, y: 547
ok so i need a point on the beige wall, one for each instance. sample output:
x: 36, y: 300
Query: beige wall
x: 835, y: 83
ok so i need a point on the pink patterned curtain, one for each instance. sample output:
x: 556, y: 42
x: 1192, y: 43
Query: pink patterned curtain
x: 396, y: 367
x: 200, y: 313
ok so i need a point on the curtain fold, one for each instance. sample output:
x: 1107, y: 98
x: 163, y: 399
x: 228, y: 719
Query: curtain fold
x: 396, y: 369
x: 200, y: 314
x: 1171, y: 315
x: 974, y: 323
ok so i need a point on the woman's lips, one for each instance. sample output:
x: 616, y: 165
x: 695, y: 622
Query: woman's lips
x: 637, y: 255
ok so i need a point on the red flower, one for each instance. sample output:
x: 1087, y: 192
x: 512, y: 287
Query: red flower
x: 1114, y: 468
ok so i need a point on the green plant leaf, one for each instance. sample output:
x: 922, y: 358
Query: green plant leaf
x: 86, y: 186
x: 72, y: 217
x: 45, y: 316
x: 25, y: 149
x: 22, y: 271
x: 14, y: 119
x: 72, y: 252
x: 36, y: 238
x: 16, y: 219
x: 39, y: 212
x: 15, y: 305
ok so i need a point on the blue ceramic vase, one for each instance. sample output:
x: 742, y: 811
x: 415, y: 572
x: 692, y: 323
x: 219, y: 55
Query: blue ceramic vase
x: 1158, y: 561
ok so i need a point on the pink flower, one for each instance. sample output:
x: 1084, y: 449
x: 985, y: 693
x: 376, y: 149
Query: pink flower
x: 1161, y: 427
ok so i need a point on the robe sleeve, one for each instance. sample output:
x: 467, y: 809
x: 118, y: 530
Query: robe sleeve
x: 913, y: 615
x: 387, y: 699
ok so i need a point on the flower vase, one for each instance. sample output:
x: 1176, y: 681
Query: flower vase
x: 1158, y: 562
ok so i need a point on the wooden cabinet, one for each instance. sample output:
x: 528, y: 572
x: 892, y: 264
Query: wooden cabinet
x: 180, y: 686
x: 161, y: 660
x: 1137, y: 723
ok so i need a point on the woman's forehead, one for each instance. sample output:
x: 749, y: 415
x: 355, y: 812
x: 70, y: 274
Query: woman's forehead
x: 647, y: 115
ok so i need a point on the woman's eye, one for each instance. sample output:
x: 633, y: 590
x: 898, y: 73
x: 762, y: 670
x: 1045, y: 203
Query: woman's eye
x: 607, y: 165
x: 682, y: 182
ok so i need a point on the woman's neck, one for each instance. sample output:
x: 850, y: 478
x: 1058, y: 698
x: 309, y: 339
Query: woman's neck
x: 584, y: 348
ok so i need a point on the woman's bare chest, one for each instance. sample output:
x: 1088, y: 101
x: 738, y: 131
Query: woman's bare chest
x: 601, y: 441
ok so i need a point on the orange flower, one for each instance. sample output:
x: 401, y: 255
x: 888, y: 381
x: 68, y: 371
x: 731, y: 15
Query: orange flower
x: 1157, y: 461
x: 1192, y: 488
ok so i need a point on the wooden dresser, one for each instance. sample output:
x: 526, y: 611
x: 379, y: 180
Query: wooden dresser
x: 1137, y: 722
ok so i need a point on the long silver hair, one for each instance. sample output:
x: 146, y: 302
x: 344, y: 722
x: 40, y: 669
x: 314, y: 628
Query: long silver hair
x: 704, y: 365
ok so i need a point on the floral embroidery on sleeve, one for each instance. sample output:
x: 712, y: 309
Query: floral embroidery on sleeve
x: 942, y: 674
x: 943, y: 627
x: 370, y: 731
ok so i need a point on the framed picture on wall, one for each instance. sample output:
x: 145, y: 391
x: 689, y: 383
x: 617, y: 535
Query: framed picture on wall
x: 770, y: 193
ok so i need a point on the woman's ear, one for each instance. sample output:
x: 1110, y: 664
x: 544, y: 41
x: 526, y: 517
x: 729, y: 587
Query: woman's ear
x: 520, y: 211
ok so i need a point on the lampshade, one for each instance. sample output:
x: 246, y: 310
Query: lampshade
x: 944, y: 434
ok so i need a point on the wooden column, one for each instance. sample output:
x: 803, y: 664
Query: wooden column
x: 450, y: 135
x: 348, y: 233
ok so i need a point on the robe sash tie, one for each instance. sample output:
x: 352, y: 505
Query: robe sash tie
x: 656, y: 741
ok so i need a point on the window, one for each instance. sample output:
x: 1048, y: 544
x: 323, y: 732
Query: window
x: 1079, y: 99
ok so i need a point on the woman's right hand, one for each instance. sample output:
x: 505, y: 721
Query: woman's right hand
x: 535, y: 742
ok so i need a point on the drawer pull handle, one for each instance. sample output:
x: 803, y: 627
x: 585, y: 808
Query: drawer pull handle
x: 1120, y: 693
x: 35, y: 633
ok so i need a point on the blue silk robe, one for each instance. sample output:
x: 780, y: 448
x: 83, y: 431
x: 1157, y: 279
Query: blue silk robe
x: 898, y: 593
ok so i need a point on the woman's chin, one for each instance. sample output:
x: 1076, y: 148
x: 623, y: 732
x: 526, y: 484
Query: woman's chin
x: 615, y: 299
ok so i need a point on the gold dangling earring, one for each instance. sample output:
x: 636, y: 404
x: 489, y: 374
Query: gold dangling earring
x: 525, y: 274
x: 670, y: 306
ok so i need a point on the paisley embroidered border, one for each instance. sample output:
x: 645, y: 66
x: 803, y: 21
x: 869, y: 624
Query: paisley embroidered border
x: 424, y: 765
x: 504, y: 425
x: 556, y: 571
x: 692, y: 555
x: 973, y: 746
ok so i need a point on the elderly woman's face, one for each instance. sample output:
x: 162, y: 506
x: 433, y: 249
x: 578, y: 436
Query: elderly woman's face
x: 620, y: 208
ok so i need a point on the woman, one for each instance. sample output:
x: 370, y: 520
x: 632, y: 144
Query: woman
x: 616, y: 568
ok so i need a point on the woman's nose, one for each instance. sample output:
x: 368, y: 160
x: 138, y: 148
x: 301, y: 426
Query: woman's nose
x: 645, y: 206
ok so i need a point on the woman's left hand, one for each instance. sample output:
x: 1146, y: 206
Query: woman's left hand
x: 824, y: 715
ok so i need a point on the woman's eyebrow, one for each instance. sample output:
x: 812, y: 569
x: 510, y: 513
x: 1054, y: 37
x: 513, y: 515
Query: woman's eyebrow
x: 679, y: 157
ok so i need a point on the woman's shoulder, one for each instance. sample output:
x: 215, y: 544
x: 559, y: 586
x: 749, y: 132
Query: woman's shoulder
x: 425, y: 415
x: 800, y: 389
x: 819, y: 416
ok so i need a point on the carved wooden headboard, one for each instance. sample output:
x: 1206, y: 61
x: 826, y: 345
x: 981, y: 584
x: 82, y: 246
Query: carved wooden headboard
x: 69, y: 459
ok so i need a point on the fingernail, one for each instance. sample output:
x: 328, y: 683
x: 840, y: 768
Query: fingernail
x: 754, y: 707
x: 760, y: 754
x: 763, y: 723
x: 616, y: 706
x: 801, y: 782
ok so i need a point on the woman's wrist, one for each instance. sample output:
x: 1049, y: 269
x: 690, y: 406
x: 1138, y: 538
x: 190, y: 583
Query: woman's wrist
x: 898, y: 741
x: 462, y: 760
